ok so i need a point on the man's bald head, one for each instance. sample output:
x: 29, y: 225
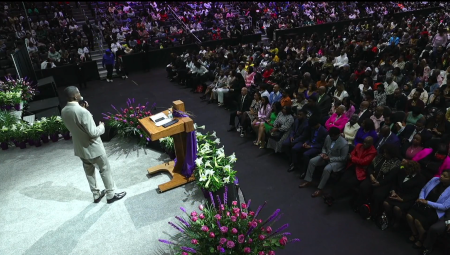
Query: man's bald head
x: 71, y: 93
x: 364, y: 105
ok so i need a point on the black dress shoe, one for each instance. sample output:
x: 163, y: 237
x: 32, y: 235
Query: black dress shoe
x: 291, y: 168
x: 427, y: 251
x: 116, y: 197
x: 102, y: 194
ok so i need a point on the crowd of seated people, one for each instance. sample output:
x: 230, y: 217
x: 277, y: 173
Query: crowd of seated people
x: 285, y: 15
x: 50, y: 34
x: 368, y: 107
x: 160, y: 25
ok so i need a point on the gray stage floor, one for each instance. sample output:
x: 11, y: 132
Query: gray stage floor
x: 46, y: 205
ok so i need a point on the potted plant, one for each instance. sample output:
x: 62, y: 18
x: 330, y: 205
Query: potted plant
x: 168, y: 146
x: 126, y: 121
x: 21, y: 134
x: 53, y: 127
x: 35, y: 132
x: 225, y: 229
x: 45, y: 124
x: 5, y: 137
x: 64, y: 131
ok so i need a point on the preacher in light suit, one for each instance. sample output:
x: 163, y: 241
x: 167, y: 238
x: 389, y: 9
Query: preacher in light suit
x: 88, y: 146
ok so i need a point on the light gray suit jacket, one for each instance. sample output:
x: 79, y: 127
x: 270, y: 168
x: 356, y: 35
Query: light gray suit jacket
x: 85, y: 134
x: 338, y: 154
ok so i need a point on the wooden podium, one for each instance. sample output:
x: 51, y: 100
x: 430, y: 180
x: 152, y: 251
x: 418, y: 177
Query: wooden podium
x: 178, y: 132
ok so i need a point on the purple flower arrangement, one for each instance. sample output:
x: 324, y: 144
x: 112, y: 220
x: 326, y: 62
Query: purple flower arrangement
x: 25, y: 86
x: 126, y: 120
x: 229, y: 230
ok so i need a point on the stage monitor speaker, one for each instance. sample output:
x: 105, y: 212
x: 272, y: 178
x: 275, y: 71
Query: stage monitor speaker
x: 47, y: 89
x: 54, y: 111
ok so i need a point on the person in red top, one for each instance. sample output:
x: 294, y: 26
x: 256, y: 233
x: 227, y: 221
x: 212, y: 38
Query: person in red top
x: 268, y: 72
x: 359, y: 159
x: 163, y: 16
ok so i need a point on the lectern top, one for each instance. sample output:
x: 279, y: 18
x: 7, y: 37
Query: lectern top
x: 185, y: 124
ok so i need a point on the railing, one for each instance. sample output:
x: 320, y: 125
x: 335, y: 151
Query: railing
x: 183, y: 24
x: 98, y: 36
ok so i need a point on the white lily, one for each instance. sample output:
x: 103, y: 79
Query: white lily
x: 214, y: 134
x: 232, y: 158
x: 203, y: 178
x: 198, y: 127
x: 217, y: 141
x: 227, y: 168
x: 4, y: 129
x: 226, y: 179
x: 199, y: 161
x: 13, y: 128
x: 220, y: 153
x: 208, y: 164
x: 209, y: 172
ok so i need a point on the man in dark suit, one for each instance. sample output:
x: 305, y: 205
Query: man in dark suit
x: 387, y: 137
x: 364, y: 112
x: 243, y: 106
x: 87, y: 29
x: 312, y: 142
x: 408, y: 133
x: 398, y: 101
x: 442, y: 227
x: 323, y: 101
x: 293, y: 141
x: 333, y: 157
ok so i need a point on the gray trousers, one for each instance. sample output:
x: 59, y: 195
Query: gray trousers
x: 434, y: 232
x: 330, y: 167
x: 105, y: 172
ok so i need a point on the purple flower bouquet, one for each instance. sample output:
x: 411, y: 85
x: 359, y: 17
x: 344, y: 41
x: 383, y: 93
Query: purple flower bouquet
x: 229, y: 230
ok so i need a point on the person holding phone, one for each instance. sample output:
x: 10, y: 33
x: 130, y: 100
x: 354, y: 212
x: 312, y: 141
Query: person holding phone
x: 87, y: 144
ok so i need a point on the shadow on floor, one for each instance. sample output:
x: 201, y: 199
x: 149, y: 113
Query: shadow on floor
x: 45, y: 191
x: 65, y: 238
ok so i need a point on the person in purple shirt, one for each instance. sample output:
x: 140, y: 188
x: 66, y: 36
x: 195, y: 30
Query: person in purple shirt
x: 367, y: 129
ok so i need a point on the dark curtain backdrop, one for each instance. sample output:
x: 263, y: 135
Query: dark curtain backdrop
x: 23, y: 64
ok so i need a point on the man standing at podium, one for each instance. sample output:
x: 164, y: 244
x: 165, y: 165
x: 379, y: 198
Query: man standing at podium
x: 88, y: 146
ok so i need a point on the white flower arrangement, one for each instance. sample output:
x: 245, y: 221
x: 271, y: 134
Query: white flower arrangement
x: 214, y: 169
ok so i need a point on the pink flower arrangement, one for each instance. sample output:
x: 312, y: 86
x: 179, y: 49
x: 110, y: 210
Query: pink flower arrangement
x: 230, y: 230
x: 126, y: 120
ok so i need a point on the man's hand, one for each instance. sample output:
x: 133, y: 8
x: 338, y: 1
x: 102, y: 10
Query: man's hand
x: 376, y: 184
x: 101, y: 123
x: 306, y: 146
x: 239, y: 113
x: 86, y: 104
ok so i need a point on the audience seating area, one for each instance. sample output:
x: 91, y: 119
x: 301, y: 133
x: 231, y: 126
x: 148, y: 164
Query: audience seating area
x: 376, y: 91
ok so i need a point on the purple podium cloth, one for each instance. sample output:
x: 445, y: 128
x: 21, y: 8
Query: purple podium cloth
x: 191, y: 150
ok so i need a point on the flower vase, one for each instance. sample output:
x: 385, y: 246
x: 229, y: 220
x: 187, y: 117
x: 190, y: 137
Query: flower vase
x: 37, y: 143
x: 45, y: 139
x: 22, y: 145
x: 4, y: 146
x: 232, y: 194
x: 54, y: 137
x: 31, y: 142
x: 66, y: 135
